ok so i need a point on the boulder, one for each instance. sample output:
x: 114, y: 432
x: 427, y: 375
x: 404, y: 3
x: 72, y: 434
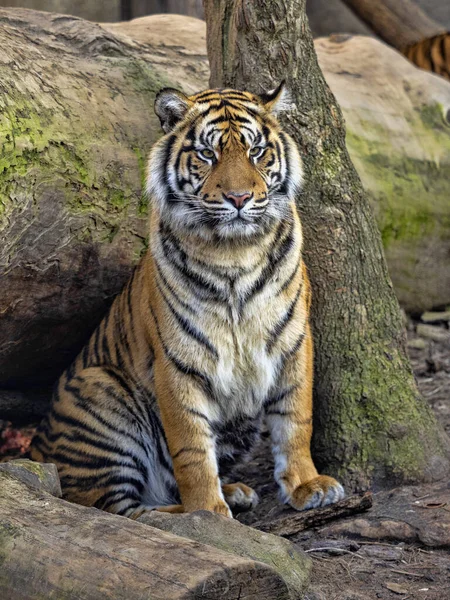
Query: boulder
x: 76, y: 124
x: 398, y: 136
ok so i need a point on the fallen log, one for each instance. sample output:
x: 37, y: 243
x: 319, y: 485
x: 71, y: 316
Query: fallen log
x: 403, y: 25
x: 400, y: 23
x: 50, y: 548
x: 205, y: 527
x: 294, y: 522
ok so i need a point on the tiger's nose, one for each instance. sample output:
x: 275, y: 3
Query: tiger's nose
x: 238, y: 200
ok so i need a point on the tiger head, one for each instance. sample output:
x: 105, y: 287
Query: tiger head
x: 224, y: 168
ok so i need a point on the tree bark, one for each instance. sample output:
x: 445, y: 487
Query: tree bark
x: 371, y: 425
x: 50, y: 548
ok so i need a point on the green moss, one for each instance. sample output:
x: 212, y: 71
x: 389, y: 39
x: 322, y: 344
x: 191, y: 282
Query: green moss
x: 31, y: 466
x: 433, y: 116
x: 384, y: 431
x: 409, y: 196
x: 142, y: 164
x: 144, y: 77
x: 117, y: 199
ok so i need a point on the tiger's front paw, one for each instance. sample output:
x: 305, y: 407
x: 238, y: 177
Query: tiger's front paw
x: 320, y: 491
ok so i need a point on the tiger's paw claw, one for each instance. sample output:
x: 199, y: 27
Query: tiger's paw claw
x: 320, y: 491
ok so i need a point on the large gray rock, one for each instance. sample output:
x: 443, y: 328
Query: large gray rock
x: 40, y: 476
x: 398, y: 136
x: 228, y: 534
x: 76, y: 124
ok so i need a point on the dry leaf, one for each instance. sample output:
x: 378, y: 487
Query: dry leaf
x: 395, y: 587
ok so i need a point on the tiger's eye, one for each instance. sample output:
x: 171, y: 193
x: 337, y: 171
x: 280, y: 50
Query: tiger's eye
x: 256, y: 151
x: 207, y: 153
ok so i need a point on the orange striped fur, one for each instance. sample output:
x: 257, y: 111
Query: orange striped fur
x: 432, y: 54
x: 211, y: 334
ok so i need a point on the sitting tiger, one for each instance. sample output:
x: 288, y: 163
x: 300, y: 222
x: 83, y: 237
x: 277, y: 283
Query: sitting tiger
x: 209, y: 337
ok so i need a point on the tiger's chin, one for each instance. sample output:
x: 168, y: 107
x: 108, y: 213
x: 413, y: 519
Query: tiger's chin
x: 238, y: 228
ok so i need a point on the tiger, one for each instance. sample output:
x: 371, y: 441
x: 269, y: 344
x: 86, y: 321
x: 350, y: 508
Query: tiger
x: 210, y: 338
x: 431, y: 54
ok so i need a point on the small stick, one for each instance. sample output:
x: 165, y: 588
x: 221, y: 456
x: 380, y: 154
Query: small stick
x: 422, y: 497
x: 406, y: 573
x: 293, y: 522
x: 395, y: 544
x: 337, y: 550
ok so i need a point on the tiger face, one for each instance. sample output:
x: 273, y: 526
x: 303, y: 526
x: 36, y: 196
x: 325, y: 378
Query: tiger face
x: 224, y: 168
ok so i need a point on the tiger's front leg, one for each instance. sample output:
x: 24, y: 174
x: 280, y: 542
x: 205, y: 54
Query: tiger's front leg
x: 191, y: 441
x: 289, y: 417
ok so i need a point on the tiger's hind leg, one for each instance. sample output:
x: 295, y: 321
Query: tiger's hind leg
x: 239, y: 497
x: 108, y: 444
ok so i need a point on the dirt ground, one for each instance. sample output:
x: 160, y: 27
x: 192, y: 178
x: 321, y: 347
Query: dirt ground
x: 400, y: 548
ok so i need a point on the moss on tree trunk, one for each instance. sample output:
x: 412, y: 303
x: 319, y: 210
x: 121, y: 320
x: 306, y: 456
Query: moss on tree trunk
x: 371, y: 425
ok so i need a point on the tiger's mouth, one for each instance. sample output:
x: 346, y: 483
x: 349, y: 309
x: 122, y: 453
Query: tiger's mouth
x: 239, y: 224
x: 225, y: 212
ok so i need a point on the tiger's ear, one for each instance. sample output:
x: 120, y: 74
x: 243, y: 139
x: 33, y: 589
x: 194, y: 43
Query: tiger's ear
x: 171, y: 106
x: 276, y: 100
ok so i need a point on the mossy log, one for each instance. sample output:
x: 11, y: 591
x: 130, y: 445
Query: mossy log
x: 76, y: 124
x: 50, y: 548
x: 202, y: 526
x: 371, y: 425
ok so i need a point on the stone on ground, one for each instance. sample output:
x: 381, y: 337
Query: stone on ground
x: 40, y: 476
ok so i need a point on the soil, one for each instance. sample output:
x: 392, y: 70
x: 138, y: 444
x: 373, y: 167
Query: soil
x: 400, y: 548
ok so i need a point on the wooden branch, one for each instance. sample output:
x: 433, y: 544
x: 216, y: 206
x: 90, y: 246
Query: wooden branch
x: 400, y: 23
x: 53, y: 549
x: 294, y: 522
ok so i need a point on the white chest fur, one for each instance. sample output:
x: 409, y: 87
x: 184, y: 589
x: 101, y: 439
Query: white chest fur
x: 246, y: 370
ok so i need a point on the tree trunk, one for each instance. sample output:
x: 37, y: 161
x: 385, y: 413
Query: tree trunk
x: 371, y: 425
x: 50, y: 548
